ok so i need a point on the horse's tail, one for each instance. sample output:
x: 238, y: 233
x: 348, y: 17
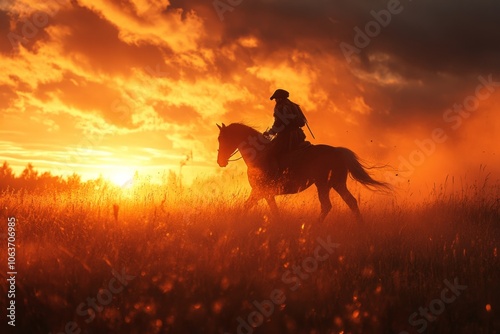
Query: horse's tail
x: 358, y: 171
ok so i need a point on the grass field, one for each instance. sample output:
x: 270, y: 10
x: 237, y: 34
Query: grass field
x: 180, y: 260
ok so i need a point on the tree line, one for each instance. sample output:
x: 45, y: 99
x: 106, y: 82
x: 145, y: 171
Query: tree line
x: 32, y: 180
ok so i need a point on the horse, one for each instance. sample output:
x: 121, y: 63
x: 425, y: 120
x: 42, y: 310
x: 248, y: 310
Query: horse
x: 322, y: 165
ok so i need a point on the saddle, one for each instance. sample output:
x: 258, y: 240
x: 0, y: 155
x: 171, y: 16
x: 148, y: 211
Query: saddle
x: 277, y: 164
x: 296, y: 154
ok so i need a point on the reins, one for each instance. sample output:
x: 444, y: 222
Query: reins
x: 229, y: 159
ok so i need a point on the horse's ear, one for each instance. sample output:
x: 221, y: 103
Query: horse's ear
x: 223, y: 125
x: 220, y: 128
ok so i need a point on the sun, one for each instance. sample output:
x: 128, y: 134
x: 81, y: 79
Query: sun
x: 122, y: 178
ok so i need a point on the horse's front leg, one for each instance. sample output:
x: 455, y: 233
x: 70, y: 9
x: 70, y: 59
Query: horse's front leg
x: 271, y: 201
x: 251, y: 201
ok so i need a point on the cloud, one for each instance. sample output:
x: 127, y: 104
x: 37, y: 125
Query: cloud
x: 148, y: 22
x: 96, y: 44
x: 149, y: 72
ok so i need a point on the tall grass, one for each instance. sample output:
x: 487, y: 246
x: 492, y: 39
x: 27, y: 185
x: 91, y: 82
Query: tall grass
x: 199, y: 261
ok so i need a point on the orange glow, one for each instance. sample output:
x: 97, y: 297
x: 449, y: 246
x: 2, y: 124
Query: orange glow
x: 95, y: 83
x: 116, y: 118
x: 122, y: 178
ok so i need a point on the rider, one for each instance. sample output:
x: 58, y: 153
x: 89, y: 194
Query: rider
x: 288, y: 122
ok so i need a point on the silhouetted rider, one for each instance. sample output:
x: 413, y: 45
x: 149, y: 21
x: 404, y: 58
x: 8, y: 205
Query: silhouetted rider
x: 288, y: 122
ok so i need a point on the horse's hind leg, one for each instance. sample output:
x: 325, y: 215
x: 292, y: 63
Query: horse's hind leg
x: 346, y: 195
x: 324, y: 199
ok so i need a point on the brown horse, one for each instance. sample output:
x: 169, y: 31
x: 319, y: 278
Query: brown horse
x: 325, y: 166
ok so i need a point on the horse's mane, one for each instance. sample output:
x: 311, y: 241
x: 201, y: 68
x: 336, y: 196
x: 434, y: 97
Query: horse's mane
x: 240, y: 128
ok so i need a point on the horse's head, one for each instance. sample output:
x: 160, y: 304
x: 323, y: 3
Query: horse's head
x: 238, y: 136
x: 227, y: 145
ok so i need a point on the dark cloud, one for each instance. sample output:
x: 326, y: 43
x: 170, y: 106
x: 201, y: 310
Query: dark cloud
x: 444, y: 35
x: 25, y: 31
x: 5, y: 45
x: 447, y: 36
x: 434, y: 50
x: 98, y: 40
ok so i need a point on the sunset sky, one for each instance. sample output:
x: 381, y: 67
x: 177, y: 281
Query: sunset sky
x: 110, y: 87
